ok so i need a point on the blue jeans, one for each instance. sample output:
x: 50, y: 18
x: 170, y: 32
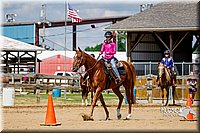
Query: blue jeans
x: 112, y: 61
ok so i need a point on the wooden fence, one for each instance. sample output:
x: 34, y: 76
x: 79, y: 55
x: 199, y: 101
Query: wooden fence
x: 38, y: 82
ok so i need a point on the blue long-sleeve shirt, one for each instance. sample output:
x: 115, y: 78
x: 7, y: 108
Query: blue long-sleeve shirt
x: 168, y: 62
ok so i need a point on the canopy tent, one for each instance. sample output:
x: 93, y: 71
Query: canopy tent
x: 18, y: 57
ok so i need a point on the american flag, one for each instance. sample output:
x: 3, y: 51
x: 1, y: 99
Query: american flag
x: 73, y: 15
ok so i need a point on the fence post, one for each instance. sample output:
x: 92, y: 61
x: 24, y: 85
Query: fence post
x: 182, y: 81
x: 38, y: 94
x: 189, y: 69
x: 150, y: 67
x: 182, y: 68
x: 145, y: 69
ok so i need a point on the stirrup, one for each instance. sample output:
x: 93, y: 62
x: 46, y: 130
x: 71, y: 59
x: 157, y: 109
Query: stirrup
x: 117, y: 81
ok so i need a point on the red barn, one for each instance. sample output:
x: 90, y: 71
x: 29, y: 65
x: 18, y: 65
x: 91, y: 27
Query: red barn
x: 55, y: 63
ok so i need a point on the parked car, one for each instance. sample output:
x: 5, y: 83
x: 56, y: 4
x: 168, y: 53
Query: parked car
x: 71, y: 74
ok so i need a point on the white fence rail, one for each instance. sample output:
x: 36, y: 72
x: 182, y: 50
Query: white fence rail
x: 182, y: 68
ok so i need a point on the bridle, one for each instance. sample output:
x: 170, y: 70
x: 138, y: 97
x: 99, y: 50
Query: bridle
x: 80, y: 60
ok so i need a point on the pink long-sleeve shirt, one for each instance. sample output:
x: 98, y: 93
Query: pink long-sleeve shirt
x: 108, y: 47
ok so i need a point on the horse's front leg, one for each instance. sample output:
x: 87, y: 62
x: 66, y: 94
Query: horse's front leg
x: 167, y: 95
x: 162, y: 95
x: 104, y: 106
x: 92, y: 94
x: 94, y: 101
x: 121, y: 97
x: 83, y: 99
x: 173, y: 94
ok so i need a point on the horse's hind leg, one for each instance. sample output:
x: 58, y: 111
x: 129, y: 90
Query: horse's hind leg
x: 121, y: 97
x: 128, y: 95
x: 104, y: 106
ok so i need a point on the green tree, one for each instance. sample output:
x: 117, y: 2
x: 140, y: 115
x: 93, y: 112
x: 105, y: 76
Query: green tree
x: 93, y: 49
x: 121, y: 41
x: 121, y: 44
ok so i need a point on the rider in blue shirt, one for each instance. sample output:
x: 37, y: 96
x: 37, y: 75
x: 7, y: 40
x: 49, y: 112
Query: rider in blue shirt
x: 169, y: 64
x: 167, y: 61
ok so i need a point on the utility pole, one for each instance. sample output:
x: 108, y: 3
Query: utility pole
x: 43, y: 21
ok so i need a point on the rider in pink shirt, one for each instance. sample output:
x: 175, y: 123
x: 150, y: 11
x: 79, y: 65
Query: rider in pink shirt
x: 109, y: 49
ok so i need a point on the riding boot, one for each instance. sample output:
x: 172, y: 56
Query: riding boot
x: 117, y: 79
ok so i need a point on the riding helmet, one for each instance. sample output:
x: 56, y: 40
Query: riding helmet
x: 167, y: 52
x: 108, y: 33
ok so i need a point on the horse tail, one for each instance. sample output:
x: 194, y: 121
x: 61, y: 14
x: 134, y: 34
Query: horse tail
x: 133, y: 72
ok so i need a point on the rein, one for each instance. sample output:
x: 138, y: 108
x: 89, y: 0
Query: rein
x: 94, y: 65
x: 90, y: 68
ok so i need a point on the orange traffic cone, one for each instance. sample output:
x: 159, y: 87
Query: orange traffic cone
x: 189, y: 103
x: 50, y: 114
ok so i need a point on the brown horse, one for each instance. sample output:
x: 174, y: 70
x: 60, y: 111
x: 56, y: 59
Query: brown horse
x: 98, y: 80
x: 165, y: 82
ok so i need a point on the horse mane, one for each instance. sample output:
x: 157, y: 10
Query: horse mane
x: 166, y: 74
x: 90, y: 57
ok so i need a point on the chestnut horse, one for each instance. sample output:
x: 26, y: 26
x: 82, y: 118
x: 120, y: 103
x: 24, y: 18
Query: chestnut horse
x: 165, y: 82
x: 98, y: 80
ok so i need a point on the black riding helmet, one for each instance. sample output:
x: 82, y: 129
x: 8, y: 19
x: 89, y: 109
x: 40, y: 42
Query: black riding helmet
x: 167, y: 52
x: 108, y: 34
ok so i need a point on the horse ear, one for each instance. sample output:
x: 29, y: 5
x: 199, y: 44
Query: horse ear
x: 79, y: 49
x: 75, y: 49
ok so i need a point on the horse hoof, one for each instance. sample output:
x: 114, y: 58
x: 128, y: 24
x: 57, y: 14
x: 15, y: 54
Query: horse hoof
x: 87, y: 118
x: 127, y: 118
x: 119, y: 116
x: 107, y: 118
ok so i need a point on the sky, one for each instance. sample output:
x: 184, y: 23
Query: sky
x: 29, y: 11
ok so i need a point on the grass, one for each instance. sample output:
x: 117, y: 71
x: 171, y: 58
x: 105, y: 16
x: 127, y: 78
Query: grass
x: 31, y: 99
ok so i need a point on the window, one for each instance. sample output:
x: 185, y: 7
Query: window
x: 59, y: 74
x: 67, y: 74
x: 58, y: 67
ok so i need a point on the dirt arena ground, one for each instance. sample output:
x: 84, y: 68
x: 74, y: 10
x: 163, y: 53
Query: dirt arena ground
x: 147, y: 118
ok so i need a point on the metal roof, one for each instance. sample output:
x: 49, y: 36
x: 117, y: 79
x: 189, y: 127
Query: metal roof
x: 162, y: 17
x: 9, y: 44
x: 58, y: 23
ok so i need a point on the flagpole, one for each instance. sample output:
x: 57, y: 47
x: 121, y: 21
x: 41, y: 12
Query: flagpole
x: 65, y: 41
